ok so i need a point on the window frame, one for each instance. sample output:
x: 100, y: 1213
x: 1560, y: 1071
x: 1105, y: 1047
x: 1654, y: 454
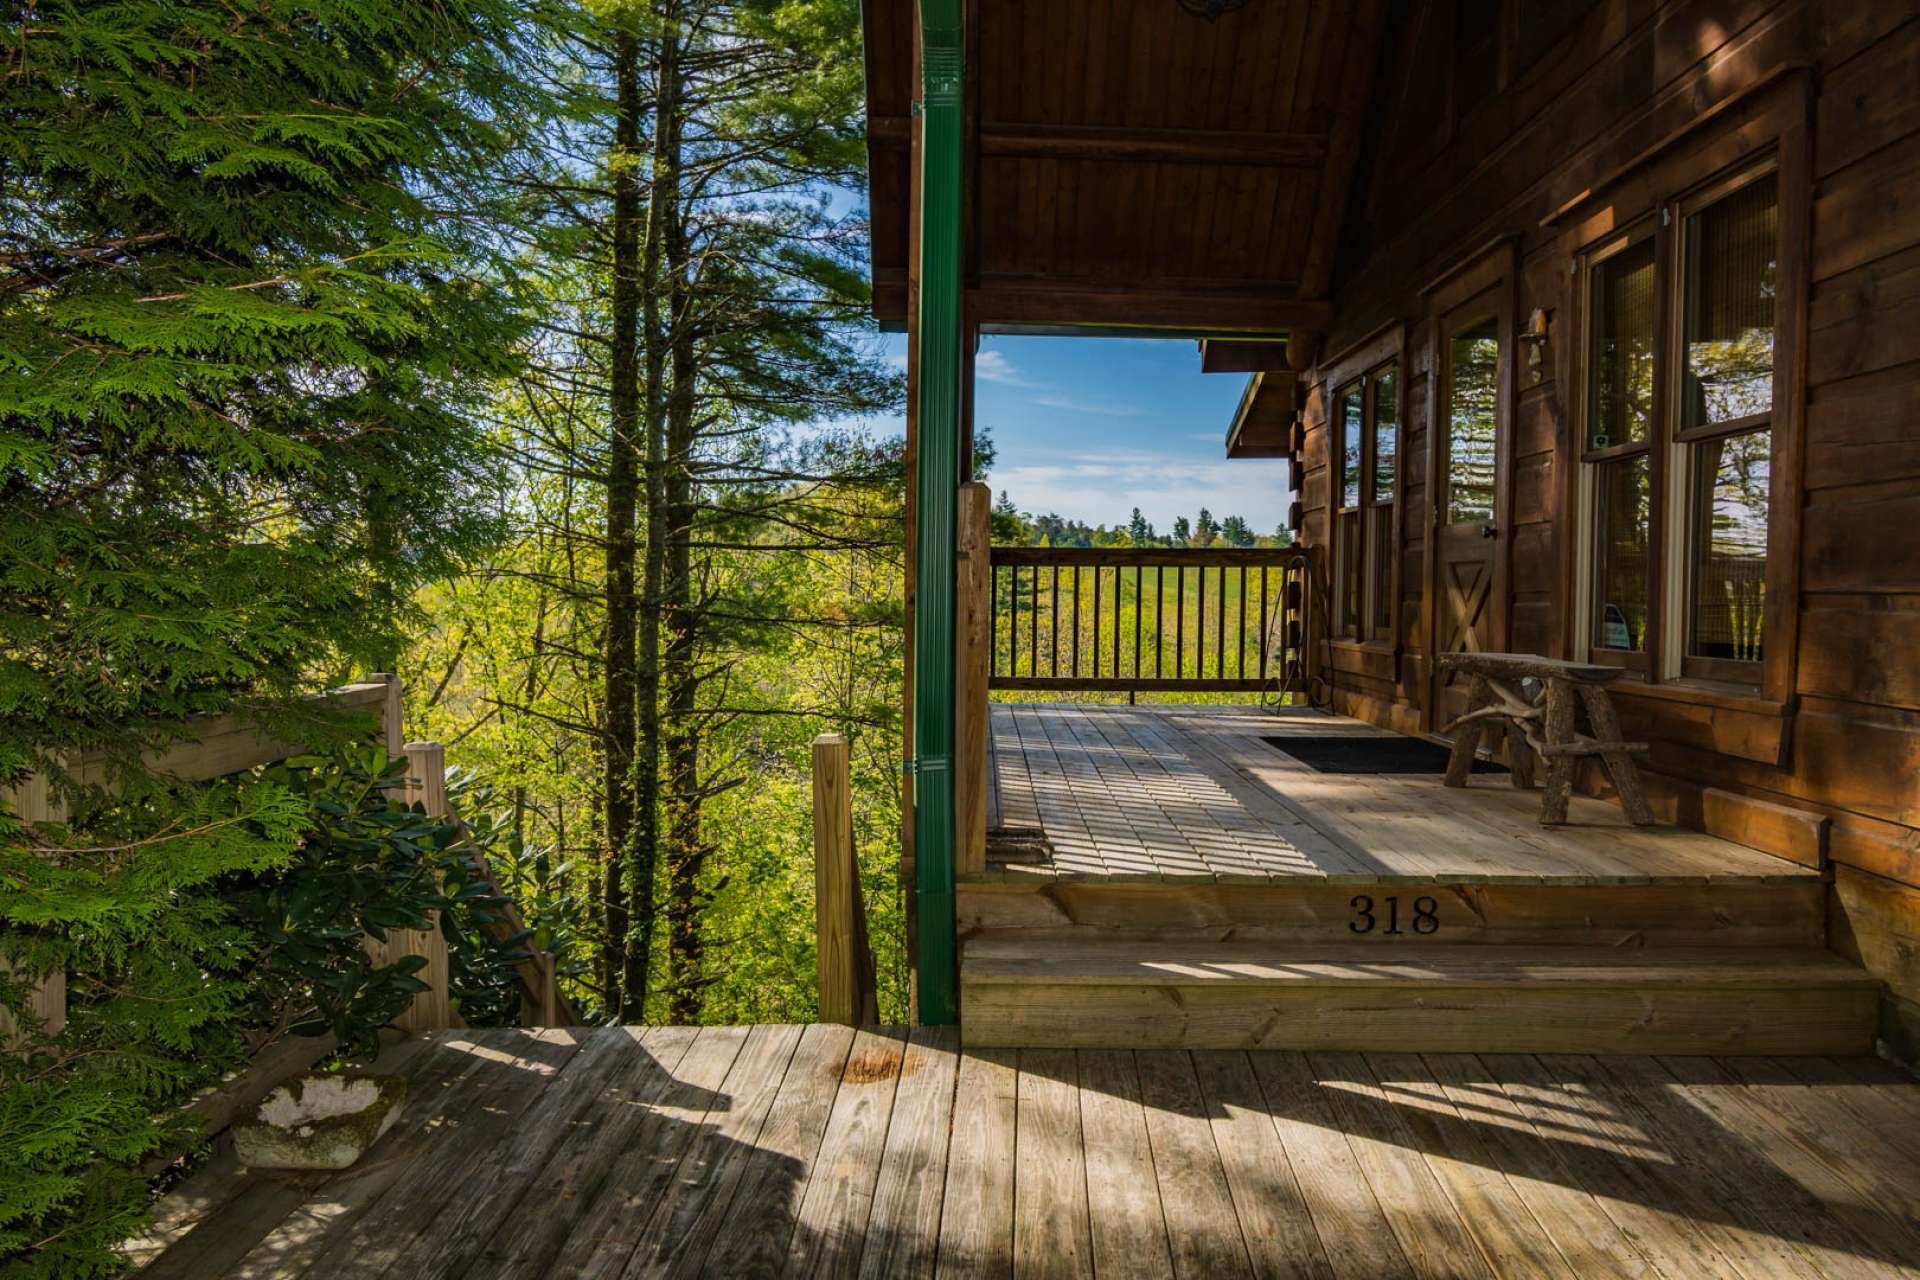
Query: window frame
x: 1349, y: 522
x: 1663, y: 191
x: 1353, y: 527
x: 1591, y: 461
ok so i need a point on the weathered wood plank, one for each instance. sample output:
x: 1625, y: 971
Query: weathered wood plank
x: 684, y: 1226
x: 1202, y: 1226
x: 752, y: 1230
x: 1051, y: 1234
x: 1619, y: 1165
x: 976, y: 1222
x: 601, y: 1152
x: 1275, y: 1222
x: 831, y: 1225
x: 602, y: 1233
x: 1129, y: 1231
x: 1354, y: 1229
x: 1430, y: 1232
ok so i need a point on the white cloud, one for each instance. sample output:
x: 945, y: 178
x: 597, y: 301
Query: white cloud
x: 993, y: 366
x: 1067, y: 404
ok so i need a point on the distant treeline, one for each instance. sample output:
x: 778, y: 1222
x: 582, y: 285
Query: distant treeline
x: 1015, y: 528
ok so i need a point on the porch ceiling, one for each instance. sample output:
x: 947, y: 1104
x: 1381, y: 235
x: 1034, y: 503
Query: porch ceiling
x: 1135, y: 165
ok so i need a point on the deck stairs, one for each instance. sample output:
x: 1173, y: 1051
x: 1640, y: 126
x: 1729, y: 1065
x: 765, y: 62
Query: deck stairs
x: 1702, y: 969
x: 1507, y: 939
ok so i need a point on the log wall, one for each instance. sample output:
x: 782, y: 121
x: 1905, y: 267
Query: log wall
x: 1578, y: 100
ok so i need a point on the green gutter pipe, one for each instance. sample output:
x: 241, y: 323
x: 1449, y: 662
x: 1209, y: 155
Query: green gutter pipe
x: 939, y: 364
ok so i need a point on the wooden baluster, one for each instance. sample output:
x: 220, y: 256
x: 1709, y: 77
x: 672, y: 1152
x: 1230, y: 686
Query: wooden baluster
x: 1033, y: 620
x: 993, y: 618
x: 1013, y: 620
x: 1053, y: 621
x: 1179, y: 620
x: 1263, y: 624
x: 1240, y: 668
x: 1117, y: 613
x: 1220, y: 629
x: 1159, y: 617
x: 1139, y: 607
x: 1076, y: 621
x: 1095, y: 637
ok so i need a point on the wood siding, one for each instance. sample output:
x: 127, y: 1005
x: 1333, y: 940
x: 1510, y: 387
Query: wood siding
x: 1580, y: 104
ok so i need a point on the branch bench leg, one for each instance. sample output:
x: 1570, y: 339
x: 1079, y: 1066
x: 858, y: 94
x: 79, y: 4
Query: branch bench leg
x: 1558, y: 729
x: 1466, y: 739
x: 1520, y: 756
x: 1626, y: 774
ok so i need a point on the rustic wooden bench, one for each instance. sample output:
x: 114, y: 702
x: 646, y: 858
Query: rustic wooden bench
x: 1539, y: 723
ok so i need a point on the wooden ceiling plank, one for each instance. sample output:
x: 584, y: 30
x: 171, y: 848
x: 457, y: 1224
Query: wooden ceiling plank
x: 1093, y: 57
x: 1343, y: 145
x: 1291, y: 65
x: 1173, y: 146
x: 1019, y: 301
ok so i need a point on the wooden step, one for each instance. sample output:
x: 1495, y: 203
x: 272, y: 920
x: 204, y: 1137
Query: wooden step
x: 1413, y: 997
x: 1787, y: 911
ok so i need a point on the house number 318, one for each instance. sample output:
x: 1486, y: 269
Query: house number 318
x: 1426, y: 916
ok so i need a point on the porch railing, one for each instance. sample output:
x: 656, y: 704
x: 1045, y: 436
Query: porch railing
x: 1148, y: 619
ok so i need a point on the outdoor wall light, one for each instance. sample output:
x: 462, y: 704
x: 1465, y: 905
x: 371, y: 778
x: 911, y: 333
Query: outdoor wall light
x: 1211, y: 9
x: 1534, y: 335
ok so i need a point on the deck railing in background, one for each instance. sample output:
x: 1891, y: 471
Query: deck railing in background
x: 224, y: 745
x: 1148, y: 619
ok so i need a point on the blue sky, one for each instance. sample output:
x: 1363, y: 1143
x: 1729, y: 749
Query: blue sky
x: 1093, y: 427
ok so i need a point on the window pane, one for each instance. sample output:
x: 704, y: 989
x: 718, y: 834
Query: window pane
x: 1728, y: 576
x: 1386, y: 433
x: 1620, y: 554
x: 1473, y: 359
x: 1731, y: 251
x: 1349, y: 584
x: 1350, y: 412
x: 1380, y: 530
x: 1620, y: 363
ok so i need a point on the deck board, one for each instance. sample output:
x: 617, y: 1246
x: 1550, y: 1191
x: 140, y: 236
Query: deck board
x: 822, y: 1151
x: 1195, y: 795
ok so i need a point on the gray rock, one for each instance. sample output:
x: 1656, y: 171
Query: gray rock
x: 319, y: 1121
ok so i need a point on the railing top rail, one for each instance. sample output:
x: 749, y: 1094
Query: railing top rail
x: 1168, y: 556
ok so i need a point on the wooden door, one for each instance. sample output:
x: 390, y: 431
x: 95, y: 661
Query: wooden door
x: 1471, y: 363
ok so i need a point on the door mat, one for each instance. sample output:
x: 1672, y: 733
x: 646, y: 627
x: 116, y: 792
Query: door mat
x: 1327, y: 753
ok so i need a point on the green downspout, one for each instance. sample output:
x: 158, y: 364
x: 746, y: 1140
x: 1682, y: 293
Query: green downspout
x: 939, y: 365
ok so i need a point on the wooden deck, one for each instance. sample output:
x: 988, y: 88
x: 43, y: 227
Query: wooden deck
x: 1194, y: 793
x: 763, y: 1151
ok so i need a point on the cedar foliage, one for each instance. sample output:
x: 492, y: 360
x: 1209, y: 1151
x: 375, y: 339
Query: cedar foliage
x: 246, y: 317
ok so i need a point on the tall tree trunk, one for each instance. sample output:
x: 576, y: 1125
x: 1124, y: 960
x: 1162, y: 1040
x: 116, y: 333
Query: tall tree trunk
x: 686, y: 851
x: 623, y: 493
x: 660, y: 201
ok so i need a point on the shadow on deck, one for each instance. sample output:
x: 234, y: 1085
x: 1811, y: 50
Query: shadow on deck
x: 762, y: 1151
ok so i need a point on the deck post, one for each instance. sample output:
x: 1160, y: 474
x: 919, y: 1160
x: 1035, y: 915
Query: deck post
x: 939, y: 360
x: 847, y: 989
x: 432, y: 1009
x: 973, y: 629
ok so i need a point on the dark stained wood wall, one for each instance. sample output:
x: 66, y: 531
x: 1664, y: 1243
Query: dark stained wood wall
x: 1572, y: 97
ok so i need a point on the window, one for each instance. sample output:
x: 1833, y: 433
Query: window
x: 1383, y: 447
x: 1352, y: 414
x: 1472, y: 423
x: 1366, y: 538
x: 1677, y: 440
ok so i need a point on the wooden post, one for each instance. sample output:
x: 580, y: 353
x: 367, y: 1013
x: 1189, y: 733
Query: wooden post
x: 847, y: 989
x: 432, y: 1009
x: 392, y: 732
x: 972, y: 627
x: 35, y: 800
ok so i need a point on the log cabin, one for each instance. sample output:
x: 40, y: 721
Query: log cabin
x: 1587, y: 331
